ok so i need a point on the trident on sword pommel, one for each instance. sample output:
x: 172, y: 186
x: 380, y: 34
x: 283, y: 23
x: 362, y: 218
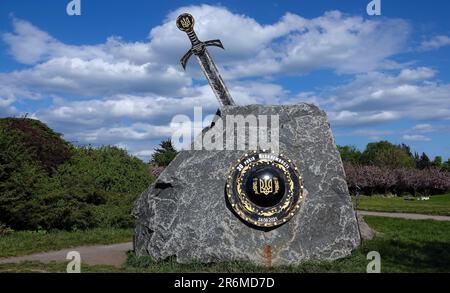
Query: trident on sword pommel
x: 185, y: 23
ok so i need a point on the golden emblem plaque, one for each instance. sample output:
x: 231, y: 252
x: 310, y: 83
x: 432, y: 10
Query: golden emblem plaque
x: 265, y: 189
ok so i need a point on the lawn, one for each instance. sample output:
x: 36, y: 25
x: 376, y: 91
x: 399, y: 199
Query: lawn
x: 437, y: 205
x: 27, y: 242
x: 405, y: 246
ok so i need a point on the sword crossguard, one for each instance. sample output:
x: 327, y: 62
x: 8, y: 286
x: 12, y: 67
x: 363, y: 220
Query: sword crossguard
x: 185, y: 23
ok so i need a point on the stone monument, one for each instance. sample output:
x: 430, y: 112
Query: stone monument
x: 279, y: 205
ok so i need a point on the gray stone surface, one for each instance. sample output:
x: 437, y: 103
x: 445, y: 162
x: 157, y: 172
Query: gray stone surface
x: 184, y: 214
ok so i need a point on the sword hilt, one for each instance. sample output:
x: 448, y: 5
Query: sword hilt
x: 186, y: 23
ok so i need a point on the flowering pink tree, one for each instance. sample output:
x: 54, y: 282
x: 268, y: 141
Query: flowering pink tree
x: 373, y: 179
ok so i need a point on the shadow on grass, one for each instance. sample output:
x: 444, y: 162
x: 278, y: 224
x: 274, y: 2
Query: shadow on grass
x: 408, y: 256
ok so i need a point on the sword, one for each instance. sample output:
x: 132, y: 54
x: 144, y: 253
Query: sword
x: 185, y: 23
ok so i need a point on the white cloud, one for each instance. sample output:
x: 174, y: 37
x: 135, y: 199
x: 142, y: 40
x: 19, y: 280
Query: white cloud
x: 376, y: 97
x: 349, y: 118
x: 371, y: 134
x: 415, y: 137
x: 30, y: 45
x: 102, y: 112
x: 139, y: 121
x: 247, y: 93
x: 144, y: 153
x: 421, y: 73
x: 153, y: 108
x: 89, y: 70
x: 9, y: 93
x: 97, y: 77
x: 367, y: 132
x: 435, y: 43
x: 135, y: 132
x: 325, y: 42
x: 6, y: 102
x: 293, y: 44
x: 425, y: 127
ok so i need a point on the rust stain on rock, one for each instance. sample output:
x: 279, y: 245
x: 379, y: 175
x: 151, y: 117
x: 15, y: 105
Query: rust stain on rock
x: 268, y: 255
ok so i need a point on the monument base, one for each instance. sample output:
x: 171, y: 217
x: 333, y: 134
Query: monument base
x: 185, y: 212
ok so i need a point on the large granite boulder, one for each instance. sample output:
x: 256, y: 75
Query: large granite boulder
x: 185, y: 213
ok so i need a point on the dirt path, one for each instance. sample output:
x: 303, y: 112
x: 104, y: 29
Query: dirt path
x: 408, y: 216
x: 114, y: 255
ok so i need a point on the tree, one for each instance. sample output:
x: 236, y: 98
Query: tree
x: 164, y: 154
x: 385, y: 154
x: 446, y: 165
x: 371, y: 180
x: 416, y: 159
x: 407, y: 149
x: 437, y: 162
x: 37, y: 141
x: 423, y: 162
x: 350, y: 154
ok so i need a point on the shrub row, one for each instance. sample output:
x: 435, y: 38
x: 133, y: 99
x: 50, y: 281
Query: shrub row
x: 370, y: 180
x: 95, y: 187
x: 47, y: 183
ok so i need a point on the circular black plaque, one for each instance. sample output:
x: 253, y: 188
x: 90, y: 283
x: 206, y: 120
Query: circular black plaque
x: 265, y: 189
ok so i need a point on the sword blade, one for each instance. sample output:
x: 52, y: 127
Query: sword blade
x: 215, y: 80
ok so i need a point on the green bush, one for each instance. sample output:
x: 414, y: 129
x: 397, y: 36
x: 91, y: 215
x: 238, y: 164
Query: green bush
x: 97, y: 188
x: 58, y: 186
x: 107, y: 169
x: 31, y: 140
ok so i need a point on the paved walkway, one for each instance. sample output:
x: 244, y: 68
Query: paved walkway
x: 408, y: 216
x: 113, y: 255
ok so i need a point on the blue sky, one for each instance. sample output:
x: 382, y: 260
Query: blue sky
x: 111, y: 75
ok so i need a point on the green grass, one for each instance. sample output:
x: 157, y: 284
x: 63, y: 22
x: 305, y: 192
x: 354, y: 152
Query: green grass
x: 411, y: 245
x: 53, y: 267
x: 22, y: 243
x: 437, y: 205
x: 405, y: 246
